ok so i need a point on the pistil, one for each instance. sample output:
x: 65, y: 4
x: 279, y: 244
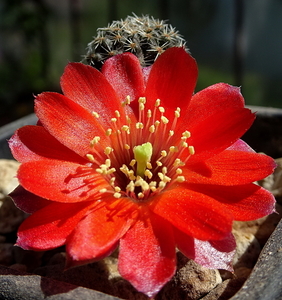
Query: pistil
x: 142, y: 155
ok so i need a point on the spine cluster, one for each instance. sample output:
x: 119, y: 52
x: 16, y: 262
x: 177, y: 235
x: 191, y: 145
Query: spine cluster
x: 144, y: 36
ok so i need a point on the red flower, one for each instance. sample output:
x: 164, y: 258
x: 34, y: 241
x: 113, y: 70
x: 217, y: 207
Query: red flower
x: 131, y: 157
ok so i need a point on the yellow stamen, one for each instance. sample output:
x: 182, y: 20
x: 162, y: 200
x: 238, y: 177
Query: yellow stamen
x: 90, y: 157
x: 191, y: 150
x: 95, y: 114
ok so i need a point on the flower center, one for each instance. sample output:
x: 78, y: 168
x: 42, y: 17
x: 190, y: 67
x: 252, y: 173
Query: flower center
x: 143, y: 157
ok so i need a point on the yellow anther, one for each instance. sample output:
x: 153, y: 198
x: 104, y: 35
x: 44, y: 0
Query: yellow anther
x: 167, y: 179
x: 117, y: 195
x: 178, y: 171
x: 158, y: 102
x: 128, y: 120
x: 108, y: 162
x: 162, y: 184
x: 186, y: 134
x: 125, y: 128
x: 153, y: 185
x: 184, y: 144
x: 141, y: 106
x: 159, y: 164
x: 149, y: 113
x: 177, y: 114
x: 140, y: 195
x: 133, y: 162
x: 178, y: 163
x: 131, y: 175
x: 142, y: 100
x: 161, y: 109
x: 157, y: 123
x: 108, y: 150
x: 126, y: 101
x: 173, y: 149
x: 164, y: 178
x: 110, y: 171
x: 112, y: 181
x: 124, y: 169
x: 152, y: 128
x: 90, y: 157
x: 130, y: 187
x: 164, y: 119
x: 103, y: 190
x: 163, y: 153
x: 95, y: 141
x: 95, y: 114
x: 180, y: 178
x: 117, y: 189
x: 164, y: 170
x: 100, y: 171
x: 126, y: 147
x: 108, y: 131
x: 142, y: 183
x: 171, y: 133
x: 149, y: 165
x: 191, y: 150
x: 113, y: 120
x: 139, y: 125
x: 117, y: 113
x: 148, y: 173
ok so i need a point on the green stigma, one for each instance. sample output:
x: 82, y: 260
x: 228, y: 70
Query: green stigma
x: 142, y: 155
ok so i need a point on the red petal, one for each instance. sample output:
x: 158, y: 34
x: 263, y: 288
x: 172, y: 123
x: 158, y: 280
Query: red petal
x: 61, y: 181
x: 125, y: 75
x: 68, y: 122
x: 172, y: 79
x: 215, y: 98
x: 89, y: 88
x: 219, y: 131
x: 147, y: 255
x: 97, y: 235
x: 34, y: 142
x: 27, y: 201
x: 231, y: 168
x: 49, y: 227
x: 245, y: 202
x: 209, y: 254
x: 196, y: 214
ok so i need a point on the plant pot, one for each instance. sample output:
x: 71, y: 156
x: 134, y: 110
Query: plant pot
x: 264, y: 281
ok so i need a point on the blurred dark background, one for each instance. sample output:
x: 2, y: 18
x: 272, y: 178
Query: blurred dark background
x: 234, y: 41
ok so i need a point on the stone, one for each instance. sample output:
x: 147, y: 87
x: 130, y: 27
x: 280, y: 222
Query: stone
x: 6, y: 256
x: 18, y: 267
x: 10, y: 216
x: 273, y: 182
x: 8, y: 180
x: 242, y: 272
x: 30, y: 259
x: 225, y: 290
x: 191, y: 281
x: 247, y: 249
